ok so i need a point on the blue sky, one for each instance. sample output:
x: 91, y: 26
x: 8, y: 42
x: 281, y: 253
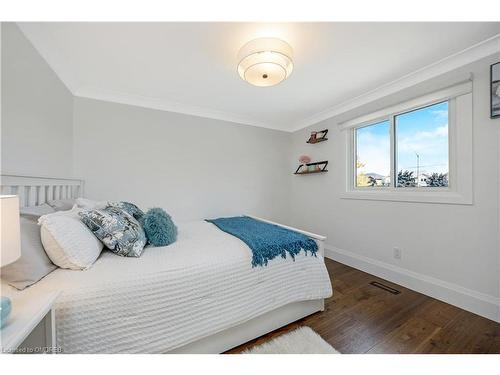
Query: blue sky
x: 424, y: 131
x: 374, y: 148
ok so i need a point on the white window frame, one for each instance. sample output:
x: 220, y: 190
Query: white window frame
x: 460, y: 189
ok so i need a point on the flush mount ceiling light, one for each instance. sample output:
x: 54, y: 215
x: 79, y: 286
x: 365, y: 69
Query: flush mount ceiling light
x: 265, y: 61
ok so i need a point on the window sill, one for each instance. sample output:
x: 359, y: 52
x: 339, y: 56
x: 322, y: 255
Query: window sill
x: 440, y: 197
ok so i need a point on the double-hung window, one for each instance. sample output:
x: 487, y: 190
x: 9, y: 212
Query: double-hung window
x: 420, y: 150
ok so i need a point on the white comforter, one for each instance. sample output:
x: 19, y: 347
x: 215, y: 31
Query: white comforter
x: 202, y: 284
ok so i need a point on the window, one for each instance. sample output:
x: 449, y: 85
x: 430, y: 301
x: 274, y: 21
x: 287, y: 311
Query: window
x: 421, y: 144
x: 422, y: 147
x: 413, y: 151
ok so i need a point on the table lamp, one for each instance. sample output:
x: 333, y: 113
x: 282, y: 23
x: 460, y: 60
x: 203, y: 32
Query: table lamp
x: 10, y: 242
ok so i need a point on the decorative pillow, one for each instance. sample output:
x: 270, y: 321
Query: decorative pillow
x: 34, y: 212
x: 90, y: 204
x: 117, y: 229
x: 159, y: 227
x: 62, y: 204
x: 67, y: 241
x: 129, y: 208
x: 33, y: 263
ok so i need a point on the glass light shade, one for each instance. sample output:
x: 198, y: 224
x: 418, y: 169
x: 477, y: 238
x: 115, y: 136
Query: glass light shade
x: 265, y: 61
x: 10, y: 237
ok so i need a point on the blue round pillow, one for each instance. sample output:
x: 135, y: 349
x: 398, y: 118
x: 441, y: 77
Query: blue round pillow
x: 159, y: 227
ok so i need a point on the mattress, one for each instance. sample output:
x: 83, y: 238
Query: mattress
x: 171, y: 296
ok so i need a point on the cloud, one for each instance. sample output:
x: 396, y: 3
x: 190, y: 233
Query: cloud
x: 432, y: 147
x: 440, y: 113
x: 441, y: 131
x: 374, y: 152
x: 425, y: 140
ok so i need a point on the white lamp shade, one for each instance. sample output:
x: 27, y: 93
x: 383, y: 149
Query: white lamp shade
x: 265, y: 61
x: 10, y: 237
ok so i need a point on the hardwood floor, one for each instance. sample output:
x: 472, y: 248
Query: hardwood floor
x: 361, y: 318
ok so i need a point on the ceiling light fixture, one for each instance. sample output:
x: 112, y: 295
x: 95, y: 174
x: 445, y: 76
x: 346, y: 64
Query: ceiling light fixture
x: 265, y: 61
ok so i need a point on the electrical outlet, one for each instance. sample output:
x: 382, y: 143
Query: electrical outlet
x: 397, y: 253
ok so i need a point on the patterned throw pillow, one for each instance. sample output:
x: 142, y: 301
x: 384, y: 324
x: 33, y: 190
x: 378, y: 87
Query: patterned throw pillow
x: 117, y: 229
x: 129, y: 208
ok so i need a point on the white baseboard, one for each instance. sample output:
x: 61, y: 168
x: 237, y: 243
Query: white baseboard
x: 454, y: 294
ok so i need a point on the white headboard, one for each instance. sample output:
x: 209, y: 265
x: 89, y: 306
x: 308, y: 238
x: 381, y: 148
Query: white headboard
x: 33, y: 191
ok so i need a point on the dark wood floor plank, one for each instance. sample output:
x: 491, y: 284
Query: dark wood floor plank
x: 361, y: 318
x: 407, y: 338
x: 467, y: 333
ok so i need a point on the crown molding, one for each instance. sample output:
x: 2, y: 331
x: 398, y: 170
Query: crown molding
x: 469, y: 55
x: 169, y: 106
x: 34, y: 34
x: 447, y: 64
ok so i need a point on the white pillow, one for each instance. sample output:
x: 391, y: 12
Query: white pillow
x: 61, y: 204
x: 90, y: 204
x: 34, y: 212
x: 67, y: 241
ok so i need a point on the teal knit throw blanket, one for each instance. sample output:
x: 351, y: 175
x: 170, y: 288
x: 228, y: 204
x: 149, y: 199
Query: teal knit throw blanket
x: 266, y: 241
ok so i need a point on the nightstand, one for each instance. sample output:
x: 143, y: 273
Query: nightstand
x: 31, y: 325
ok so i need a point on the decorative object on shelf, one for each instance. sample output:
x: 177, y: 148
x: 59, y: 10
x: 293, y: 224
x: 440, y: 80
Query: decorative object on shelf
x: 495, y: 90
x: 265, y: 61
x: 318, y: 136
x: 10, y: 242
x: 308, y: 168
x: 304, y: 160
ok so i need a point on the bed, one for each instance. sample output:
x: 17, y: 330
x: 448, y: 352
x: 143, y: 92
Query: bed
x: 198, y: 295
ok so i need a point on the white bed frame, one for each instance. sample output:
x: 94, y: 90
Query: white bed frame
x: 33, y: 191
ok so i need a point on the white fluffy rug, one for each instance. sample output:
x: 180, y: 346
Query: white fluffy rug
x: 301, y: 341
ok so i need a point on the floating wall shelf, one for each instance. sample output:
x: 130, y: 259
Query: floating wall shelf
x: 311, y: 172
x: 317, y: 141
x: 317, y: 137
x: 320, y: 167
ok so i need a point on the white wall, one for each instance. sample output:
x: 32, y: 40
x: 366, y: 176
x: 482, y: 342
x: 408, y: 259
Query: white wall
x: 449, y: 251
x: 193, y: 167
x: 36, y: 131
